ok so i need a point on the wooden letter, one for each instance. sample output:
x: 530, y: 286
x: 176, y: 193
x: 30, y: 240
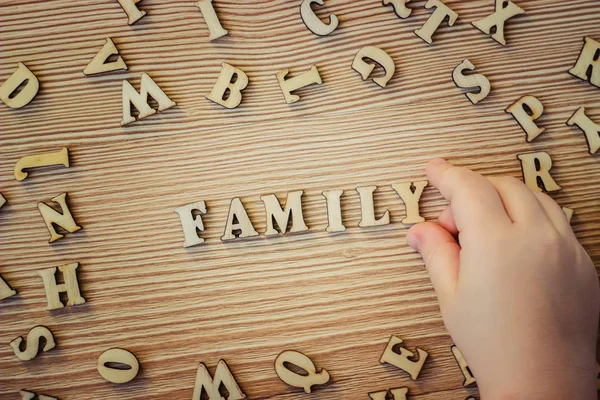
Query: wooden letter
x: 53, y: 289
x: 464, y: 368
x: 397, y: 394
x: 498, y: 19
x: 99, y: 64
x: 64, y: 220
x: 313, y: 22
x: 223, y: 376
x: 471, y: 81
x: 367, y: 208
x: 334, y: 210
x: 41, y: 160
x: 297, y: 82
x: 130, y: 8
x: 27, y: 93
x: 399, y: 7
x: 238, y: 220
x: 140, y: 100
x: 401, y: 360
x: 5, y: 290
x: 224, y: 84
x: 2, y: 200
x: 312, y: 377
x: 588, y: 60
x: 568, y: 213
x: 411, y: 199
x: 589, y: 127
x: 191, y: 224
x: 25, y: 395
x: 536, y: 169
x: 435, y: 20
x: 33, y: 343
x: 293, y: 207
x: 526, y: 110
x: 212, y: 20
x: 379, y: 56
x: 128, y: 363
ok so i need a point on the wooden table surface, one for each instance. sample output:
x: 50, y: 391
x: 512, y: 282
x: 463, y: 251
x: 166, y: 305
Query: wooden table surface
x: 335, y: 297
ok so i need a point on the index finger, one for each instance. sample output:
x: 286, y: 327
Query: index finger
x: 473, y: 199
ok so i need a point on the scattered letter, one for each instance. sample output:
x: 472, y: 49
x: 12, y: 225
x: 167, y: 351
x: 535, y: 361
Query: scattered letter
x: 464, y: 368
x: 312, y: 377
x: 64, y: 220
x: 526, y: 110
x: 435, y: 20
x: 53, y: 289
x: 27, y: 93
x: 401, y: 360
x: 313, y: 22
x: 589, y: 127
x: 367, y: 208
x: 41, y: 160
x: 223, y: 376
x: 498, y: 19
x: 588, y: 60
x: 536, y: 170
x: 33, y: 343
x: 274, y: 212
x: 191, y: 224
x: 25, y: 395
x: 238, y: 220
x: 334, y: 210
x: 380, y: 57
x: 5, y: 290
x: 297, y: 82
x: 140, y: 100
x: 99, y: 64
x: 224, y: 84
x: 397, y: 394
x: 471, y: 81
x: 212, y: 20
x: 123, y: 358
x: 411, y: 199
x: 400, y: 7
x: 130, y: 8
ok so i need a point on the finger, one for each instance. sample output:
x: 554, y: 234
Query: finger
x: 441, y: 255
x: 446, y: 220
x: 473, y: 199
x: 555, y: 213
x: 521, y: 205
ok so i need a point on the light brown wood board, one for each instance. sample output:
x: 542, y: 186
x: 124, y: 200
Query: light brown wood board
x: 334, y: 297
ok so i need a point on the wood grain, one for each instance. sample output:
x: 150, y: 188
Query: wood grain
x: 335, y: 297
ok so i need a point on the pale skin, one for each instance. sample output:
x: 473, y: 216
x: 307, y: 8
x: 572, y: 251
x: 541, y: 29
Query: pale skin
x: 517, y: 291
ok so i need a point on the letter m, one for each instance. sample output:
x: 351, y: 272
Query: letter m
x: 223, y: 377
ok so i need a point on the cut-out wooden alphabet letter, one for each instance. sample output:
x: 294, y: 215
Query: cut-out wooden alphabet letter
x: 464, y: 368
x: 27, y: 93
x: 305, y: 381
x: 99, y: 65
x: 435, y: 20
x: 334, y: 210
x: 212, y: 20
x: 140, y: 100
x: 130, y: 8
x: 568, y: 213
x: 191, y: 224
x: 26, y: 395
x: 224, y: 84
x: 589, y: 127
x: 411, y: 199
x: 297, y: 82
x: 380, y: 57
x: 367, y: 208
x: 277, y: 215
x: 536, y: 170
x: 313, y: 23
x: 238, y: 220
x: 33, y: 343
x: 504, y: 10
x: 397, y: 394
x: 471, y: 82
x: 526, y: 110
x: 2, y: 200
x: 60, y: 157
x: 400, y: 7
x: 588, y: 60
x: 401, y: 360
x: 223, y: 376
x: 64, y: 220
x: 118, y: 365
x: 5, y: 290
x: 53, y: 289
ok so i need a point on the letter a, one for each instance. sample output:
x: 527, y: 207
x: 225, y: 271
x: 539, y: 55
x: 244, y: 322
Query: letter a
x: 471, y: 81
x: 401, y: 360
x: 536, y: 169
x: 589, y: 127
x: 53, y: 289
x: 21, y: 75
x: 589, y: 59
x: 140, y: 100
x: 33, y: 343
x: 64, y: 220
x: 5, y: 290
x: 498, y: 19
x: 99, y: 64
x: 224, y: 83
x: 223, y: 376
x: 238, y: 220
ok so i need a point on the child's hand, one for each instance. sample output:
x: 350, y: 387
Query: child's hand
x: 518, y: 293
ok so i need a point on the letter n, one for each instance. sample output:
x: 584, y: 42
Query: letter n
x: 64, y: 220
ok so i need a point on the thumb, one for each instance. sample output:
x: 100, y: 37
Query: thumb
x: 440, y: 252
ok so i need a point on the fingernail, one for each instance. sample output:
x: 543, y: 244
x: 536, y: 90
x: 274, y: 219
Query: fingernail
x: 413, y: 242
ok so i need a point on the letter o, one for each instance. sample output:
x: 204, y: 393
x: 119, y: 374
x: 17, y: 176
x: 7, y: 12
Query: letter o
x: 117, y: 375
